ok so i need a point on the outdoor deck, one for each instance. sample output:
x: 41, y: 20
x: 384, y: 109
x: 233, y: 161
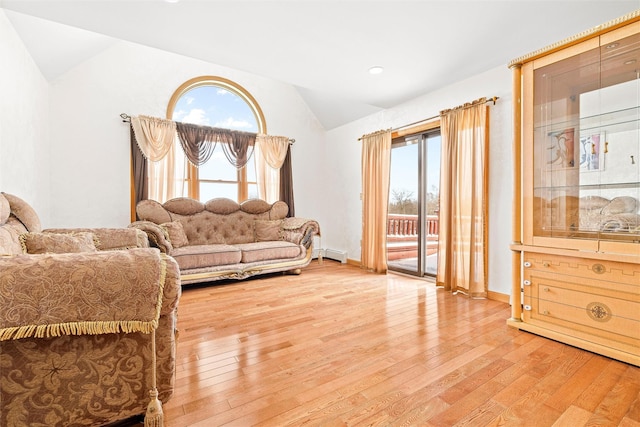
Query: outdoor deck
x: 402, y: 242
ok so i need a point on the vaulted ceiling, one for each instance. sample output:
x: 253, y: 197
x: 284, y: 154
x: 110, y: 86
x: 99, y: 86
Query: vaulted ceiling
x: 323, y: 48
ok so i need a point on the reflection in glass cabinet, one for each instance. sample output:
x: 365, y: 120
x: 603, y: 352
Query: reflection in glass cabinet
x: 586, y: 144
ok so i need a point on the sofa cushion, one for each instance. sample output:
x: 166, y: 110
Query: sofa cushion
x: 255, y: 206
x: 184, y: 206
x: 42, y: 243
x: 279, y: 210
x: 5, y: 209
x: 24, y: 212
x: 10, y: 233
x: 109, y: 239
x: 151, y: 210
x: 222, y: 206
x: 268, y: 230
x: 198, y: 256
x: 175, y: 230
x: 9, y: 241
x: 265, y: 251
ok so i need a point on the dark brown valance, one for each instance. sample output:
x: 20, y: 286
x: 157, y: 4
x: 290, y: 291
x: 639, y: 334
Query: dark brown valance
x: 198, y: 143
x: 239, y: 147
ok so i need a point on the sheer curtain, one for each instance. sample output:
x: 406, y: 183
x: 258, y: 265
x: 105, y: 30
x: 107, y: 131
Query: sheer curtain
x: 157, y: 141
x: 270, y: 155
x: 376, y: 164
x: 462, y: 252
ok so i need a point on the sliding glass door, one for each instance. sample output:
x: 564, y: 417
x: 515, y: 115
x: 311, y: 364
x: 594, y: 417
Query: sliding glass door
x: 414, y: 191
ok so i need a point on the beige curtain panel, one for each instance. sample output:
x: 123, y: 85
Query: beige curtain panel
x: 270, y: 154
x: 167, y: 177
x: 376, y: 165
x: 156, y: 139
x: 273, y: 149
x: 462, y: 251
x: 155, y: 136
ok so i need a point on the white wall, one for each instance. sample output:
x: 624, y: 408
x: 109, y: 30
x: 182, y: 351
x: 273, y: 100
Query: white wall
x: 90, y: 144
x: 343, y: 182
x: 24, y: 123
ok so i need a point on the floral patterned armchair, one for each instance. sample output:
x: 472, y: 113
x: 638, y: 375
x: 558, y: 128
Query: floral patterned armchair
x: 84, y: 315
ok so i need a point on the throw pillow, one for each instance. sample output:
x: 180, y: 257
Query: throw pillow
x: 41, y: 243
x: 5, y: 209
x: 176, y: 233
x: 268, y: 230
x: 24, y: 212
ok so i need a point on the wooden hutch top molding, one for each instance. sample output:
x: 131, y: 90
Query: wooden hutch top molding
x: 595, y: 31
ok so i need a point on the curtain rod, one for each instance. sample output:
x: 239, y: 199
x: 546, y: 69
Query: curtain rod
x: 127, y: 119
x: 492, y: 99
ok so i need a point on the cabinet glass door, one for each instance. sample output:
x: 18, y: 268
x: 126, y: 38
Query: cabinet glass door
x: 586, y: 144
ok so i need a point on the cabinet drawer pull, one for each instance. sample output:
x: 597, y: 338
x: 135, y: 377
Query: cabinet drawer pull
x: 546, y: 264
x: 527, y: 282
x: 546, y: 312
x: 527, y: 264
x: 527, y: 307
x: 545, y: 289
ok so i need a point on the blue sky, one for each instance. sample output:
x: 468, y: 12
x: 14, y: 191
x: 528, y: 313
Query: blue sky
x: 217, y: 107
x: 404, y: 168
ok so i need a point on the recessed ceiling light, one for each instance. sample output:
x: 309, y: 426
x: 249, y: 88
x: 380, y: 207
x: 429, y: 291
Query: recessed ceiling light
x: 172, y: 1
x: 376, y: 69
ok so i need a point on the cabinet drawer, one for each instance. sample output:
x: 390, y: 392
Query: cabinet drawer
x: 583, y: 308
x: 626, y: 274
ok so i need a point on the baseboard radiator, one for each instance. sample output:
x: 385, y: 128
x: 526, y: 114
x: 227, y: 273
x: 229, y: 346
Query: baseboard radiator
x: 333, y: 254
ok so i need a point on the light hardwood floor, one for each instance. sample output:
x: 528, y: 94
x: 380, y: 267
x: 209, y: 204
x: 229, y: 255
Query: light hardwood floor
x: 336, y: 346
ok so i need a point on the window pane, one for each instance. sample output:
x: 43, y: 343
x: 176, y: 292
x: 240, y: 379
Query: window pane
x: 210, y: 191
x: 218, y: 167
x: 220, y: 104
x: 215, y: 106
x: 251, y: 169
x: 253, y: 191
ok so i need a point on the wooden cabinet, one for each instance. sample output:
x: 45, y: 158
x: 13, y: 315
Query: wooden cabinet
x: 576, y: 250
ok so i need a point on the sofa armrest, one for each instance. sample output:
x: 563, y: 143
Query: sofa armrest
x: 48, y: 295
x: 109, y: 239
x: 157, y: 235
x: 300, y: 230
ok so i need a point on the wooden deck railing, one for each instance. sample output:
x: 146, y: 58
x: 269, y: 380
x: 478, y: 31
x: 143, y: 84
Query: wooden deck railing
x: 407, y: 225
x: 402, y: 236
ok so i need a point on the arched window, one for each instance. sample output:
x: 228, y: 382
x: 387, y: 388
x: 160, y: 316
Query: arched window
x: 217, y: 102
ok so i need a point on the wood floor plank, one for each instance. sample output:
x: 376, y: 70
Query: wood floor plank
x: 602, y: 385
x: 565, y: 395
x: 336, y: 346
x: 572, y: 417
x: 617, y: 403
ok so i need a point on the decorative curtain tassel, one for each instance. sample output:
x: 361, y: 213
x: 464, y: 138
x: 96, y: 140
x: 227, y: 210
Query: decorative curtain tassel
x: 154, y: 416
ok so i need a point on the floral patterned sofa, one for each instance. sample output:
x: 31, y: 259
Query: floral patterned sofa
x: 221, y: 239
x: 81, y: 313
